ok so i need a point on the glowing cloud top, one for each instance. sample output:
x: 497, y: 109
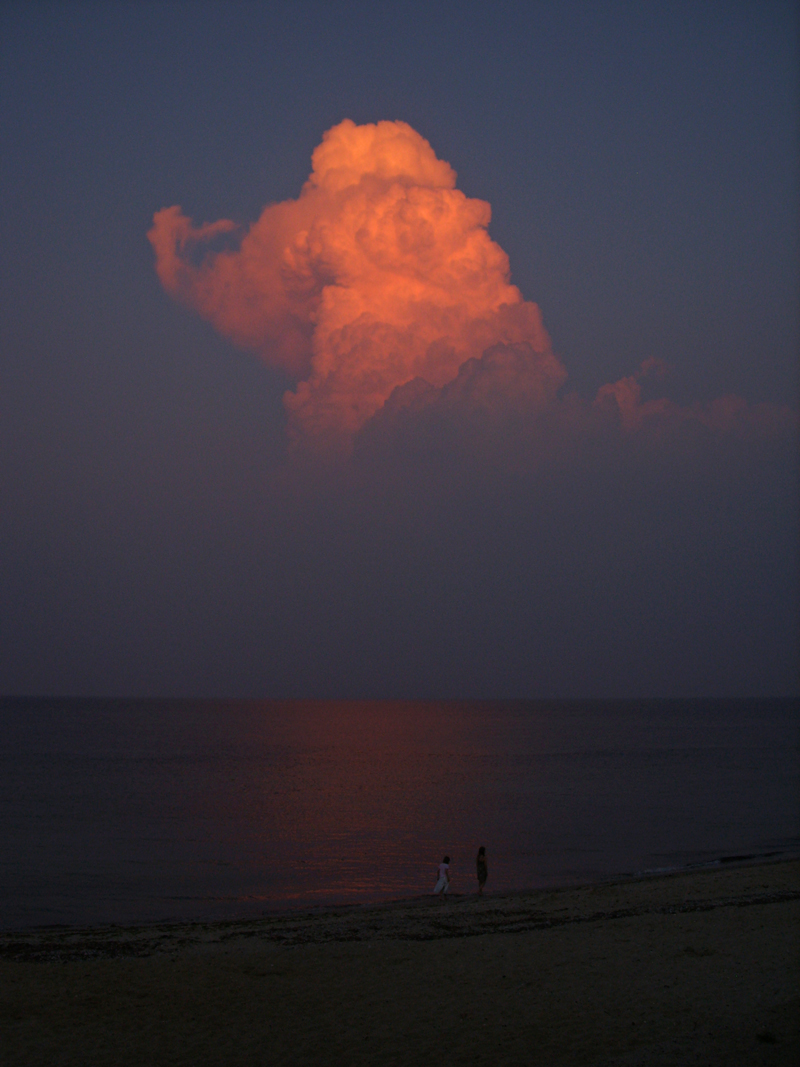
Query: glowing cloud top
x: 381, y: 272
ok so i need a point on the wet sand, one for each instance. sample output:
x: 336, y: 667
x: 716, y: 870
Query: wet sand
x: 692, y: 968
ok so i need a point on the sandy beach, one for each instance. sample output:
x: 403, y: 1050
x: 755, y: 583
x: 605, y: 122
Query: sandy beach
x: 691, y: 968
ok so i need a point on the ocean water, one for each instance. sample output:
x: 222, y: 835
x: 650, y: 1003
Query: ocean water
x: 136, y: 811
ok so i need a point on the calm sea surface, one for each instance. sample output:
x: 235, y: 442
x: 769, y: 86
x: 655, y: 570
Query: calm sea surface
x: 139, y: 811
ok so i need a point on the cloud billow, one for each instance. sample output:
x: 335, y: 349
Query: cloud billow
x: 380, y: 272
x: 379, y: 291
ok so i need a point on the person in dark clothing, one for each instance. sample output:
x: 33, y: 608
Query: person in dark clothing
x: 483, y: 870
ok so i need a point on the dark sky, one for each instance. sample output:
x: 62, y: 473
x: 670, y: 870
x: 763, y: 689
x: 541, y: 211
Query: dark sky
x: 158, y: 538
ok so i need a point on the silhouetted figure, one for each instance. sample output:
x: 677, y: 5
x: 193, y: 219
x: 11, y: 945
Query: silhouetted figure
x: 444, y: 876
x: 483, y: 870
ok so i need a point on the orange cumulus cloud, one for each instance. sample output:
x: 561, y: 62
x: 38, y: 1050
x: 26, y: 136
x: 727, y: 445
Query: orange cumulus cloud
x: 381, y: 272
x: 380, y: 293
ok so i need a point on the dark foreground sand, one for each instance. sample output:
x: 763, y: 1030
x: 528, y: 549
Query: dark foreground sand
x: 698, y: 968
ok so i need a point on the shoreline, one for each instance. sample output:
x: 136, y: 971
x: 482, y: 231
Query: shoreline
x: 285, y: 909
x: 414, y: 918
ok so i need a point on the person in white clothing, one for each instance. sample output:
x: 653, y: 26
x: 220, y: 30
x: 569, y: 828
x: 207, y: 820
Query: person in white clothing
x: 444, y: 876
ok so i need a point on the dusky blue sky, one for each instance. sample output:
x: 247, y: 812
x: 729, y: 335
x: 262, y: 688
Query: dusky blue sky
x: 641, y: 163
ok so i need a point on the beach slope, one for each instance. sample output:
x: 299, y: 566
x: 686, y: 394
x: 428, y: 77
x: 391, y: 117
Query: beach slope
x: 697, y: 967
